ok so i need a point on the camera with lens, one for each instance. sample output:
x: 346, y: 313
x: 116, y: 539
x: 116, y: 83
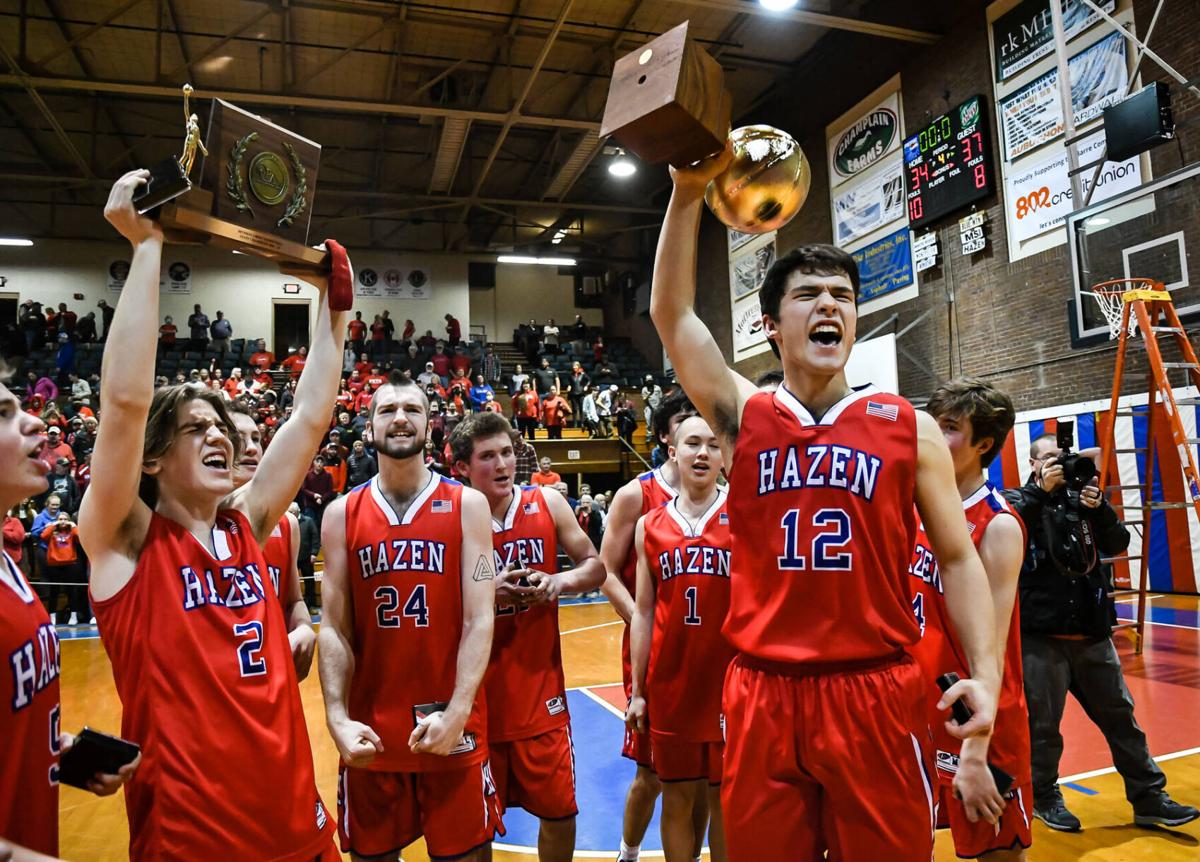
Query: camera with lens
x: 1078, y: 470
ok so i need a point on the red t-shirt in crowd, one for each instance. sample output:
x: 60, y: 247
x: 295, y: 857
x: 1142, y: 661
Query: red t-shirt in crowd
x: 357, y: 329
x: 294, y: 364
x: 262, y: 359
x: 166, y: 334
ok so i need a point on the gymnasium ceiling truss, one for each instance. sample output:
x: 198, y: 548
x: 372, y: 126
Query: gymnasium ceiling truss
x: 467, y: 125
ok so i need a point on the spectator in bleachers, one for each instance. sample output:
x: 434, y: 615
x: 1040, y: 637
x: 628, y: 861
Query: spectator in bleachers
x: 221, y: 331
x: 411, y: 361
x: 481, y: 394
x: 545, y: 378
x: 356, y: 332
x: 555, y: 411
x: 389, y: 330
x: 306, y: 555
x: 235, y: 386
x: 428, y: 376
x: 427, y: 341
x: 14, y: 537
x: 345, y: 428
x: 626, y: 419
x: 604, y: 403
x: 262, y: 358
x: 64, y: 360
x: 83, y: 440
x: 67, y: 320
x: 590, y: 413
x: 43, y: 387
x: 376, y: 379
x: 52, y: 417
x: 453, y: 330
x: 652, y: 395
x: 518, y: 380
x: 61, y: 483
x: 360, y: 422
x: 378, y: 339
x: 550, y: 337
x: 577, y: 384
x: 590, y: 521
x: 491, y: 367
x: 527, y: 409
x: 453, y: 417
x: 410, y: 329
x: 461, y: 361
x: 436, y: 393
x: 48, y: 515
x: 33, y: 325
x: 339, y: 445
x: 316, y: 492
x: 294, y: 364
x: 441, y: 363
x: 364, y: 366
x: 545, y: 474
x: 456, y: 394
x: 527, y: 461
x: 85, y: 330
x: 106, y: 317
x: 355, y: 382
x: 197, y: 329
x: 81, y: 390
x: 167, y: 334
x: 55, y: 448
x: 605, y: 373
x: 598, y: 349
x: 349, y: 358
x: 62, y: 565
x: 577, y: 332
x: 363, y: 400
x: 360, y: 465
x: 335, y: 466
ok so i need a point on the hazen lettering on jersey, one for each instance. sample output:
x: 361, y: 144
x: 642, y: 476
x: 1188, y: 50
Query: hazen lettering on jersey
x: 35, y: 665
x: 818, y: 466
x: 694, y: 560
x: 520, y: 553
x: 402, y: 555
x: 231, y: 587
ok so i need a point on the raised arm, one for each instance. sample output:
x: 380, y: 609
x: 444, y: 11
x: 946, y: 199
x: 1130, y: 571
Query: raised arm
x: 265, y: 498
x: 587, y: 571
x: 113, y: 520
x: 968, y: 598
x: 717, y: 391
x: 615, y: 547
x: 301, y: 637
x: 439, y: 733
x: 640, y: 632
x: 356, y: 742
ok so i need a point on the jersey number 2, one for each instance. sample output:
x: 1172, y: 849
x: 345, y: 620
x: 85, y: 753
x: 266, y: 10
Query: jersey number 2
x: 415, y: 608
x: 250, y: 649
x: 833, y: 526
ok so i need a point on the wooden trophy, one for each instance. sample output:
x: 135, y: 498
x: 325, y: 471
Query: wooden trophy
x: 667, y: 101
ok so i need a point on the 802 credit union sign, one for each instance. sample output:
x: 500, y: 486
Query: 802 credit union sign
x: 864, y: 143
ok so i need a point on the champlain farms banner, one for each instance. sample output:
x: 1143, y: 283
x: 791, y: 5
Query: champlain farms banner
x: 1026, y: 33
x: 856, y: 148
x: 1032, y: 115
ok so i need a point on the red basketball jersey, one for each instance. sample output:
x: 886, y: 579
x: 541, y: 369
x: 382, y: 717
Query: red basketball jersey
x: 822, y: 520
x: 29, y: 716
x: 200, y: 655
x: 655, y: 493
x: 939, y: 650
x: 526, y: 692
x: 689, y: 563
x: 277, y: 551
x: 406, y: 588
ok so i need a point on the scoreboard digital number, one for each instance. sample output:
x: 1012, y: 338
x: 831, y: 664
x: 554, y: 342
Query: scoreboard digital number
x: 947, y: 165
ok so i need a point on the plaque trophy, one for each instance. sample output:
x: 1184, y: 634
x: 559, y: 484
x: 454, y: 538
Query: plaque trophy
x: 667, y: 102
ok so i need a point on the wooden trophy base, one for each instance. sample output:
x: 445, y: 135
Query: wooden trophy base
x: 188, y: 219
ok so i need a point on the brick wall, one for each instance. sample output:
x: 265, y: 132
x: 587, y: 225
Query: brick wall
x: 1009, y: 320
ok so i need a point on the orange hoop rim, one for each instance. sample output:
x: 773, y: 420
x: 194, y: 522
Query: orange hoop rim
x: 1116, y: 287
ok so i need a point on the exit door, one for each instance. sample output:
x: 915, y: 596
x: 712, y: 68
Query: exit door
x: 290, y: 329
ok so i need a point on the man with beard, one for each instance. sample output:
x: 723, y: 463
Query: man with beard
x: 408, y: 612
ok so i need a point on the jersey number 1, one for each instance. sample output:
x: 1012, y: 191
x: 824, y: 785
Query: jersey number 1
x: 833, y: 534
x: 693, y: 603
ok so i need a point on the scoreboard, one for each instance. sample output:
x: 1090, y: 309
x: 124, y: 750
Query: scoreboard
x: 947, y: 164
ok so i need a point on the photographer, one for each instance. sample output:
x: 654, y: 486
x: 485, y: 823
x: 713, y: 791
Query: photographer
x: 1067, y: 616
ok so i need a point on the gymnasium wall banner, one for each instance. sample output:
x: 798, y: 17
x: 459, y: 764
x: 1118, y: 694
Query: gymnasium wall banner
x: 1025, y: 34
x: 861, y: 144
x: 1032, y: 115
x: 1038, y: 197
x: 749, y: 259
x: 176, y: 277
x: 869, y: 205
x: 118, y: 272
x: 403, y: 281
x: 885, y: 265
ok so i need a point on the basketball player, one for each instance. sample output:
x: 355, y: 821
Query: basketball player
x: 529, y: 732
x: 281, y: 550
x: 405, y: 639
x: 825, y: 722
x: 985, y: 824
x: 679, y: 654
x: 634, y: 499
x: 30, y: 722
x: 179, y: 585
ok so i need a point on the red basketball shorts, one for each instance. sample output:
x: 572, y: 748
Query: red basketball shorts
x: 537, y: 774
x: 837, y: 761
x: 972, y: 840
x: 678, y: 759
x: 383, y: 812
x: 637, y: 748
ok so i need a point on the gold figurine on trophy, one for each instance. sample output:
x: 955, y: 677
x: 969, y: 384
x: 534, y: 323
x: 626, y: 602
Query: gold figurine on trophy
x: 169, y: 178
x: 192, y: 141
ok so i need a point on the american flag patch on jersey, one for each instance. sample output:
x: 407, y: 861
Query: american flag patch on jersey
x: 970, y: 527
x: 723, y: 518
x: 883, y: 411
x: 531, y: 508
x: 440, y: 507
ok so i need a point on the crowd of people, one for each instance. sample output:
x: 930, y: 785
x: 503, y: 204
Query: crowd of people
x: 812, y: 580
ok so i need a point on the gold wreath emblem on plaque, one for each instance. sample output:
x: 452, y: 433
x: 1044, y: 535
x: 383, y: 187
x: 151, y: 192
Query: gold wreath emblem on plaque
x: 269, y: 179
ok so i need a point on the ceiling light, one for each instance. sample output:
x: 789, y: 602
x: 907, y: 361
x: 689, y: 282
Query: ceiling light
x: 548, y: 261
x: 622, y: 167
x: 777, y: 5
x: 8, y: 240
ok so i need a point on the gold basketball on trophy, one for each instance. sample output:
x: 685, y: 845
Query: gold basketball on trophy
x: 766, y: 183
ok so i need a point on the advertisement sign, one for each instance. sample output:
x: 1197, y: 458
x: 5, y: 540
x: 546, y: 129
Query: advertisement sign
x: 869, y: 205
x: 970, y: 232
x: 1025, y: 34
x: 1031, y: 116
x: 854, y: 149
x: 749, y: 266
x: 176, y: 277
x: 118, y: 272
x: 1039, y: 196
x: 405, y: 281
x: 749, y: 338
x: 925, y: 251
x: 884, y: 266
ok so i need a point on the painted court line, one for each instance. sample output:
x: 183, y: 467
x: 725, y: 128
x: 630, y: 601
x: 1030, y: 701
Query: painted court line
x: 579, y: 854
x: 604, y: 703
x: 1188, y: 752
x: 589, y: 628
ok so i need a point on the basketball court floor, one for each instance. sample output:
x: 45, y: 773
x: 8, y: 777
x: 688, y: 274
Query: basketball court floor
x: 1165, y: 681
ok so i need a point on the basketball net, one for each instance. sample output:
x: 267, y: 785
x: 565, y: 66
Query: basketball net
x: 1112, y: 296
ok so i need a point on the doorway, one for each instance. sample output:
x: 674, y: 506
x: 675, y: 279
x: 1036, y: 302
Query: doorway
x: 289, y: 325
x: 8, y: 309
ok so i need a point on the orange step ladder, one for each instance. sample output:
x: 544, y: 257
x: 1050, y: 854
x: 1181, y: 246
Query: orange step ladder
x: 1130, y: 305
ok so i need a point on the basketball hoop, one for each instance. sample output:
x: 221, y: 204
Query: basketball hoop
x: 1111, y: 296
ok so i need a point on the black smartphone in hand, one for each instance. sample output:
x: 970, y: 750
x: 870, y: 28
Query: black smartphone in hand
x: 95, y: 752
